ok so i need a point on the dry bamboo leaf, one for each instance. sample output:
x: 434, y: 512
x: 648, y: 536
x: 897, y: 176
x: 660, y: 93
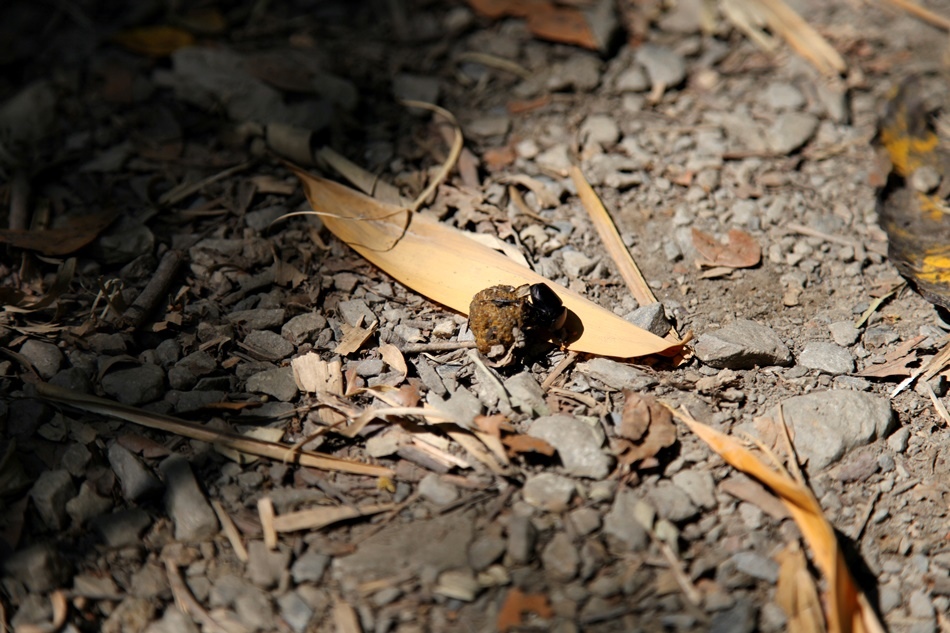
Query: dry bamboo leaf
x: 796, y: 593
x: 193, y: 431
x: 447, y: 267
x: 354, y: 337
x: 740, y: 251
x: 68, y: 238
x: 265, y: 433
x: 609, y: 235
x: 923, y: 13
x: 517, y: 603
x: 230, y: 530
x: 154, y: 41
x: 526, y: 444
x: 847, y: 608
x: 750, y: 16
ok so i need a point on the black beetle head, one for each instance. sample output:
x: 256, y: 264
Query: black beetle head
x: 547, y: 310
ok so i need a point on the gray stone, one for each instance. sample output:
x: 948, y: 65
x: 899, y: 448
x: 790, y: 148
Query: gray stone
x: 168, y: 352
x: 663, y: 65
x: 50, y: 493
x: 790, y: 131
x: 548, y: 492
x: 844, y: 333
x: 827, y: 424
x: 295, y: 611
x: 132, y: 614
x: 578, y: 445
x: 522, y: 536
x: 310, y: 567
x: 437, y: 490
x: 899, y: 440
x: 135, y: 386
x: 560, y: 558
x: 265, y: 566
x: 278, y: 382
x: 526, y: 394
x: 40, y: 567
x: 756, y: 566
x: 185, y: 503
x: 72, y: 378
x: 463, y: 406
x: 303, y: 327
x: 407, y: 87
x: 485, y: 550
x: 651, y: 318
x: 828, y: 358
x: 577, y: 264
x: 46, y: 358
x: 698, y: 485
x: 672, y: 502
x: 633, y: 79
x: 76, y: 459
x: 621, y: 521
x: 440, y: 544
x: 740, y: 618
x: 259, y: 318
x: 135, y: 479
x: 149, y: 581
x: 254, y: 608
x: 107, y: 344
x: 87, y: 504
x: 920, y: 606
x: 489, y: 125
x: 599, y: 129
x: 268, y: 345
x: 173, y: 621
x: 685, y: 17
x: 354, y: 311
x: 122, y: 528
x: 783, y: 96
x: 187, y: 401
x: 742, y: 344
x: 925, y: 179
x: 618, y: 375
x: 580, y: 71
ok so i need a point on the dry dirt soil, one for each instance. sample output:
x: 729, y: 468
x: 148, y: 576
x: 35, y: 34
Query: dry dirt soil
x: 133, y: 175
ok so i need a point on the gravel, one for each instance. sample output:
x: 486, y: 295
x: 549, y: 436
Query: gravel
x: 578, y: 445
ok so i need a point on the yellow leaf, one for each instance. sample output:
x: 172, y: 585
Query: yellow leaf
x: 448, y: 267
x: 154, y: 41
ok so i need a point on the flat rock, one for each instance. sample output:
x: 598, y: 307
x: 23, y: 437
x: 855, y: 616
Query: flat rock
x: 259, y: 318
x: 522, y: 536
x: 621, y: 521
x: 135, y: 479
x: 548, y: 492
x: 651, y: 318
x: 437, y: 490
x: 672, y: 502
x: 310, y: 567
x: 87, y: 505
x: 268, y: 345
x: 50, y: 493
x: 278, y: 382
x: 186, y: 503
x: 122, y: 528
x: 790, y: 131
x: 742, y: 344
x: 663, y: 65
x: 135, y: 386
x: 578, y: 445
x: 617, y: 375
x: 40, y: 567
x: 303, y: 327
x: 827, y: 424
x: 828, y: 358
x: 264, y: 565
x: 698, y: 486
x: 526, y: 394
x: 844, y: 333
x: 440, y: 543
x: 560, y: 557
x: 45, y: 357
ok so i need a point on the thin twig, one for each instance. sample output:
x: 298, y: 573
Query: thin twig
x: 436, y: 346
x: 154, y: 291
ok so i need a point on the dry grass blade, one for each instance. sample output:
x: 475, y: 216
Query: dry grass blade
x: 923, y: 13
x: 846, y: 609
x: 628, y: 269
x: 316, y: 518
x: 750, y: 15
x: 233, y: 441
x: 230, y: 530
x: 446, y: 266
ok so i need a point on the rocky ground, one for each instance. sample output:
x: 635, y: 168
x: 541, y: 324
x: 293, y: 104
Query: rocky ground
x: 108, y: 524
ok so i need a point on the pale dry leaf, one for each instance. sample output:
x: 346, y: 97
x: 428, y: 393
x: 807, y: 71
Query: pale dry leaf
x: 740, y: 250
x: 847, y: 607
x: 394, y: 358
x: 446, y: 266
x: 796, y: 593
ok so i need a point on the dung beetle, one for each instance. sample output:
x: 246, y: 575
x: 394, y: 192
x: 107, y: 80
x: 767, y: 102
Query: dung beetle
x: 543, y: 309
